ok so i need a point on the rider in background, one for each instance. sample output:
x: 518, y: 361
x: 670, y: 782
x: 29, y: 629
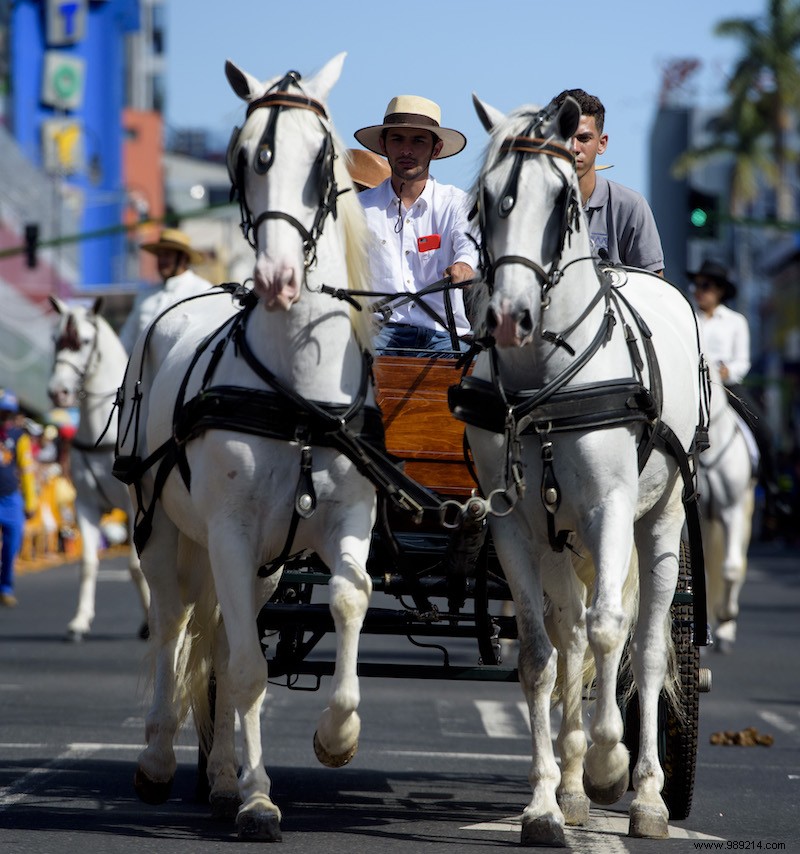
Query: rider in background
x: 18, y: 498
x: 420, y: 227
x: 726, y: 343
x: 174, y: 254
x: 621, y: 225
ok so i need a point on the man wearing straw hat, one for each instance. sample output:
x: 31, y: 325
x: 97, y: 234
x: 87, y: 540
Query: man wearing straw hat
x: 174, y: 254
x: 420, y: 227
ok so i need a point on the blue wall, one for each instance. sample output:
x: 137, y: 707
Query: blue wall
x: 103, y: 51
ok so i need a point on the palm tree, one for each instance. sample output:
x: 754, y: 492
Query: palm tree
x: 739, y: 136
x: 767, y: 76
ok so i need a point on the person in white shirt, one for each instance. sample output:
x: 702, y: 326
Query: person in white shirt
x: 420, y: 229
x: 726, y: 343
x: 174, y: 254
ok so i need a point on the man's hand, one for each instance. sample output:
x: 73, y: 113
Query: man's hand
x: 724, y: 373
x: 459, y: 272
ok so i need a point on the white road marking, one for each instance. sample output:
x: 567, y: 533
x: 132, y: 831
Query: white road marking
x: 776, y: 720
x: 503, y: 720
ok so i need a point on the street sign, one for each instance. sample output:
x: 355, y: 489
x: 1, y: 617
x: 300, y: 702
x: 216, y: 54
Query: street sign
x: 63, y: 80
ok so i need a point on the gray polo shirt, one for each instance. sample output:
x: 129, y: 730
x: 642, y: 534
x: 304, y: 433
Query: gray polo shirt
x: 621, y: 223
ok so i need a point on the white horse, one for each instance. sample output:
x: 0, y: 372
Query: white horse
x: 726, y: 486
x: 89, y: 366
x: 289, y: 364
x: 562, y: 408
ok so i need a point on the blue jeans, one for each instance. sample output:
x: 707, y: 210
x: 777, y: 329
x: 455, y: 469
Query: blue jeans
x: 402, y: 339
x: 12, y: 523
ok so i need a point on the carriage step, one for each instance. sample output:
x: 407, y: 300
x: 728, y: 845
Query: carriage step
x: 395, y: 583
x: 389, y: 670
x: 379, y: 621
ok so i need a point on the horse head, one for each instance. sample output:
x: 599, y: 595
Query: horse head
x: 528, y: 200
x: 283, y: 208
x: 83, y: 342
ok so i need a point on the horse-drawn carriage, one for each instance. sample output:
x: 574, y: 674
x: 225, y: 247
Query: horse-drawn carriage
x: 255, y: 442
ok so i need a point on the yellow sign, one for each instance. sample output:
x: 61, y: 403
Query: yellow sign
x: 62, y: 145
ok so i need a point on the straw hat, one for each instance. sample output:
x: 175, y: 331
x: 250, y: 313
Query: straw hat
x: 367, y: 169
x: 412, y: 111
x: 717, y: 273
x: 173, y: 239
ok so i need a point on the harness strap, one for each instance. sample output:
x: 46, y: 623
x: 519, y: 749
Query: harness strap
x: 670, y: 442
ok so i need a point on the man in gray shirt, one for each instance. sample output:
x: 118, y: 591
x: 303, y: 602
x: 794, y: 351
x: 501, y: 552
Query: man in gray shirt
x: 621, y: 225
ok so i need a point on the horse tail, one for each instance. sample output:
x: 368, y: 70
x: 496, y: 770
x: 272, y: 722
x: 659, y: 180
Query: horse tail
x: 195, y: 666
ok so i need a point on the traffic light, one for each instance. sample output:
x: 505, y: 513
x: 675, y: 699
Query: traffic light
x: 31, y: 244
x: 703, y: 214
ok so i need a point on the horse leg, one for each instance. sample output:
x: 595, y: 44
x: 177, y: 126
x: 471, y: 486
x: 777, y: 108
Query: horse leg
x: 339, y: 726
x: 735, y: 522
x: 658, y: 541
x: 610, y: 540
x: 139, y: 582
x: 234, y: 564
x: 81, y: 623
x: 566, y: 625
x: 542, y: 819
x: 156, y: 763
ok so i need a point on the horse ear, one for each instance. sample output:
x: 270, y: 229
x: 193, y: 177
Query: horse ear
x: 242, y: 83
x: 98, y: 305
x: 59, y: 306
x: 488, y: 115
x: 325, y: 79
x: 568, y: 118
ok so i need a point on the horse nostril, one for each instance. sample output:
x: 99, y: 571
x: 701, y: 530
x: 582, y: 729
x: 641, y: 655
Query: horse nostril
x: 526, y: 323
x: 491, y: 320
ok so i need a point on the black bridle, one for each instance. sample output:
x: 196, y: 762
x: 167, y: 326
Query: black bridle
x: 530, y: 143
x: 70, y: 340
x: 278, y: 98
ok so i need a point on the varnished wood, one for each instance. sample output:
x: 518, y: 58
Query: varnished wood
x: 412, y: 394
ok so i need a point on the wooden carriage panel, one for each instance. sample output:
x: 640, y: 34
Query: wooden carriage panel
x: 412, y: 393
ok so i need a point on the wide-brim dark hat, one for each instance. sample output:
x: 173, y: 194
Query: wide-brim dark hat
x: 719, y: 273
x: 412, y: 111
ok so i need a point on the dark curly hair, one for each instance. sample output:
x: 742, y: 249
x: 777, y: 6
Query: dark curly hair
x: 590, y: 105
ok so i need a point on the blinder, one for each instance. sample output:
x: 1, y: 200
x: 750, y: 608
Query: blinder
x: 279, y: 98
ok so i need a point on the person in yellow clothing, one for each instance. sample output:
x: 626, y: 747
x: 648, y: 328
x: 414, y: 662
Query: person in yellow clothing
x: 18, y: 499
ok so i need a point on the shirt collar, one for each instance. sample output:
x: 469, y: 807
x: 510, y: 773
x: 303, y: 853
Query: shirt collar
x: 387, y: 198
x: 599, y: 195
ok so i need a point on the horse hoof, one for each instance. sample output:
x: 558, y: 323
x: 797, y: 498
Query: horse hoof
x: 261, y: 826
x: 575, y: 808
x: 224, y: 805
x: 328, y: 759
x: 73, y: 636
x: 149, y: 791
x: 144, y: 631
x: 648, y: 822
x: 606, y: 795
x: 544, y: 832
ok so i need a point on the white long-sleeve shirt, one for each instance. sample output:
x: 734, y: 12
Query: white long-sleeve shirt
x: 725, y: 338
x: 400, y: 261
x: 150, y: 304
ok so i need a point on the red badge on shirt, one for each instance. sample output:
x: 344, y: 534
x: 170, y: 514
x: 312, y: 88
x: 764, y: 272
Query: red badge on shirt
x: 430, y: 241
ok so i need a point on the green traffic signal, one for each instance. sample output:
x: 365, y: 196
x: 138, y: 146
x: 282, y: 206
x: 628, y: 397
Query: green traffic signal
x: 699, y: 217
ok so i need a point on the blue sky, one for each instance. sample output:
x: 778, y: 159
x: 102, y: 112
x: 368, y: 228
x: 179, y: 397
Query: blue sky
x: 510, y: 53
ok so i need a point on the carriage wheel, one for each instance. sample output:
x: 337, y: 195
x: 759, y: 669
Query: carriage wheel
x: 677, y: 748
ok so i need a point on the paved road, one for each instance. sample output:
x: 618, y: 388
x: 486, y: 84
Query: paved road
x: 442, y: 766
